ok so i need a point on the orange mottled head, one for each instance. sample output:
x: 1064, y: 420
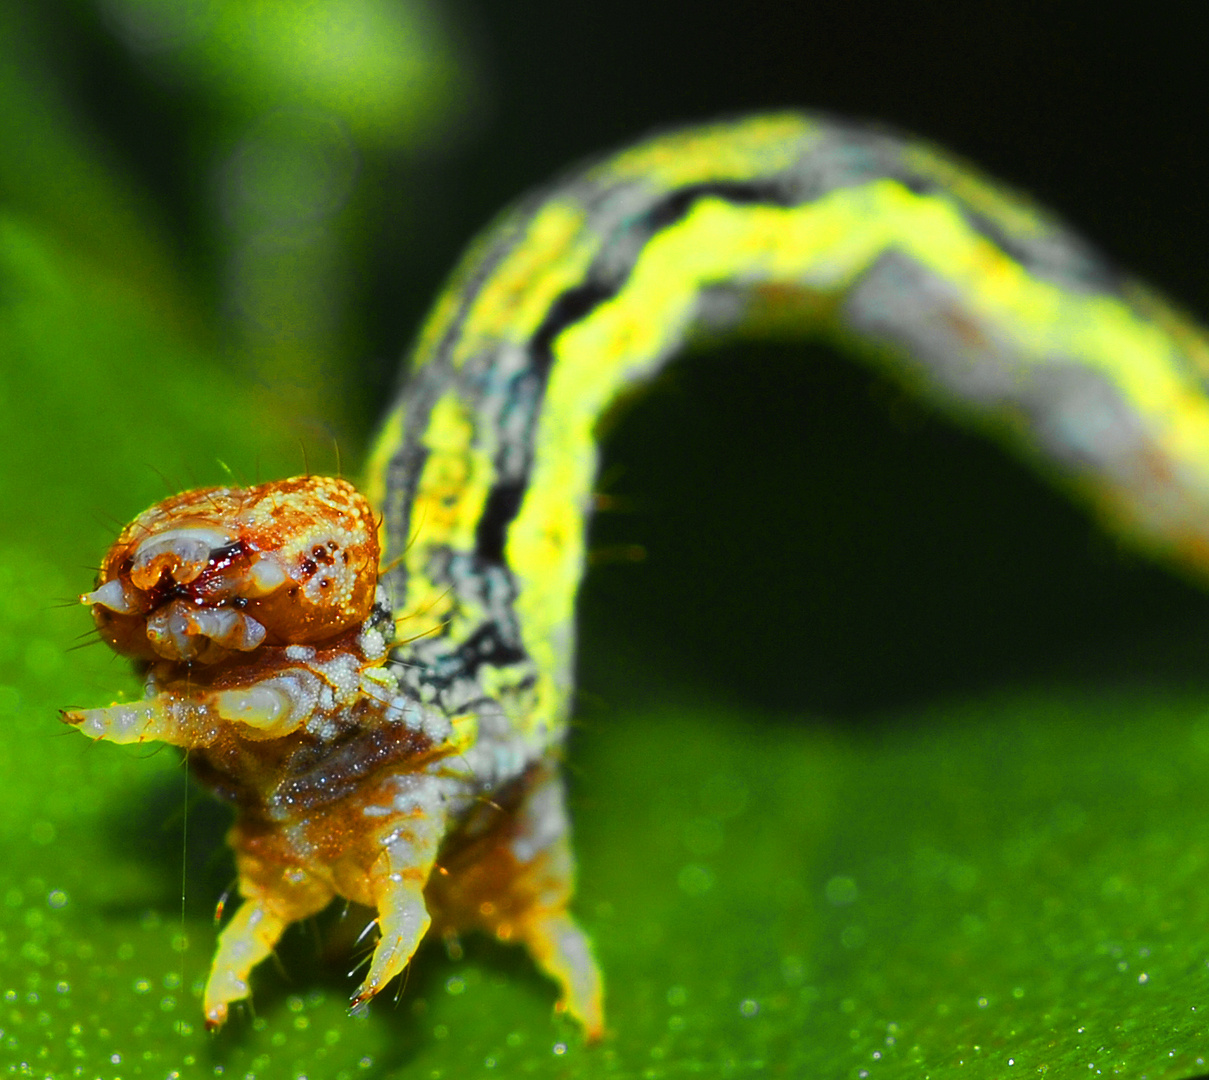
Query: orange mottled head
x: 220, y: 570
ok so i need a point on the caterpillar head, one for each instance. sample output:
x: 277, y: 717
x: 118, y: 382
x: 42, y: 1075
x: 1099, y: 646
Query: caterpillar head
x: 218, y: 571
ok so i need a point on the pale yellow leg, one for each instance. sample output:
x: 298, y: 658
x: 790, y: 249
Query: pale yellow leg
x: 545, y: 926
x: 276, y: 897
x: 562, y: 950
x: 516, y: 881
x: 131, y: 722
x: 399, y: 878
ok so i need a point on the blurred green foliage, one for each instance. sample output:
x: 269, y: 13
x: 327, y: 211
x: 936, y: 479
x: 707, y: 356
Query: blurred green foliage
x: 384, y: 69
x: 1013, y: 885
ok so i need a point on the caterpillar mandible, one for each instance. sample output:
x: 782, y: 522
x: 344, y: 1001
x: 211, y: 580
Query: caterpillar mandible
x: 380, y: 683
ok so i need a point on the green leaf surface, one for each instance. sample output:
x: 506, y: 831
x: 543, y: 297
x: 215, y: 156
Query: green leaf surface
x: 1006, y: 887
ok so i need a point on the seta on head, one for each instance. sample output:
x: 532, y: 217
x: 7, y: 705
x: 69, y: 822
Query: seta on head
x: 218, y: 571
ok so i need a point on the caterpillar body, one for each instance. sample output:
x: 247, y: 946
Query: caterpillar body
x: 386, y: 707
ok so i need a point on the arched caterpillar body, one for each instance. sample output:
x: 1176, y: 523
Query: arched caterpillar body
x: 429, y: 788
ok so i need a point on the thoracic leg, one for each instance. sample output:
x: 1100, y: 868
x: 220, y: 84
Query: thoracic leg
x: 546, y: 878
x: 397, y: 880
x: 561, y: 948
x: 517, y: 882
x: 275, y: 896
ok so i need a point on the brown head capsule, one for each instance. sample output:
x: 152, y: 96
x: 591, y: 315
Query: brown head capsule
x: 220, y: 570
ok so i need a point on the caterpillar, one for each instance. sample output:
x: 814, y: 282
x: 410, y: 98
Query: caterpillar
x: 380, y: 683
